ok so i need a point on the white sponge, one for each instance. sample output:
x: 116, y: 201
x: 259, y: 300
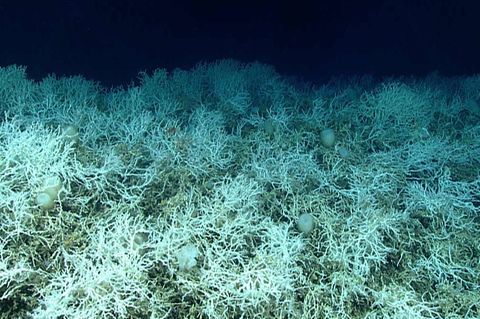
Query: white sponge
x: 187, y: 257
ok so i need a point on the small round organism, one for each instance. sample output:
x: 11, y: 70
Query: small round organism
x: 45, y: 201
x: 187, y: 257
x: 305, y: 223
x: 327, y: 137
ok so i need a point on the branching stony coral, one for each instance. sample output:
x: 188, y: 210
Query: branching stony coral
x: 210, y: 144
x: 109, y: 278
x: 448, y: 215
x: 286, y: 168
x: 394, y: 110
x: 401, y: 302
x: 223, y: 159
x: 29, y: 154
x: 239, y: 194
x: 15, y: 273
x: 241, y: 254
x: 17, y: 92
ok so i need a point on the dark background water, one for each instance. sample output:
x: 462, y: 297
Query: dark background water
x: 112, y: 40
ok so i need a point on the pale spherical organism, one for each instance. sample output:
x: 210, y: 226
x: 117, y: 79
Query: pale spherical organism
x: 70, y: 134
x: 187, y: 257
x: 327, y: 137
x: 343, y: 152
x: 45, y: 201
x: 305, y: 223
x: 52, y: 185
